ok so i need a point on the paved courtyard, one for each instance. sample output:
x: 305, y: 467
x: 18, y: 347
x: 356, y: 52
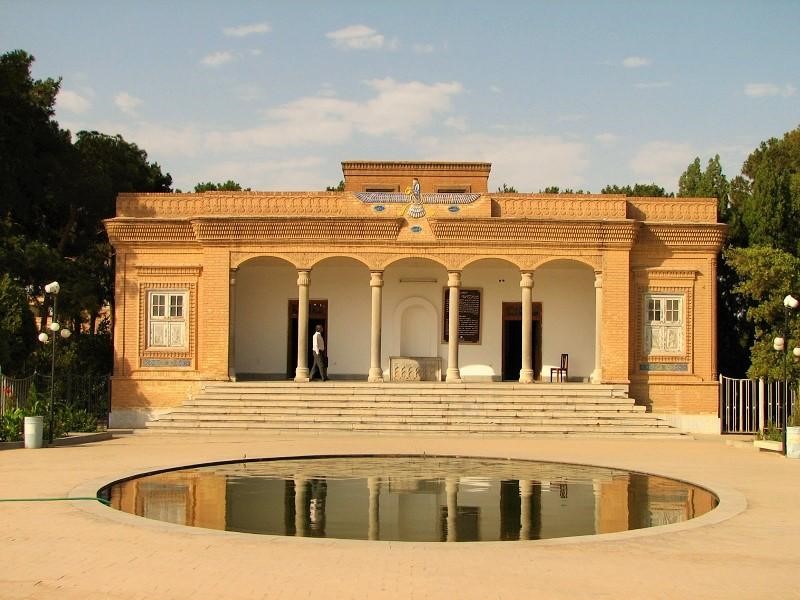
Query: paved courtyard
x: 746, y: 548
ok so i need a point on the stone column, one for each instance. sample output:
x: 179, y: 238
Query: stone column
x: 303, y: 281
x: 451, y: 487
x: 232, y: 325
x: 374, y: 486
x: 525, y: 509
x: 526, y: 372
x: 299, y: 505
x: 375, y: 369
x: 453, y: 372
x: 597, y: 373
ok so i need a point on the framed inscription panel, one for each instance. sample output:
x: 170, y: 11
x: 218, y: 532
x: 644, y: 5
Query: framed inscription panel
x: 469, y: 316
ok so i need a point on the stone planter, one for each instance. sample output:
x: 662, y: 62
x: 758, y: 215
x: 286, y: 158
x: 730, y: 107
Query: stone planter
x: 793, y: 442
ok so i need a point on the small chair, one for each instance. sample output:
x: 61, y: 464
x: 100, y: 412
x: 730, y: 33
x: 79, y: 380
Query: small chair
x: 562, y: 372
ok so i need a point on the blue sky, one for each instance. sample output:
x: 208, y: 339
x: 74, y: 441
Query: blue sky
x: 276, y: 94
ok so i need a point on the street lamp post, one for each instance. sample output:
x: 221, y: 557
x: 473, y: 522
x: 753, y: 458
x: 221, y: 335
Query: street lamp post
x: 780, y: 344
x: 56, y: 331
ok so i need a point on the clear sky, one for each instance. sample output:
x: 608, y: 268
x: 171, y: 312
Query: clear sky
x: 276, y: 94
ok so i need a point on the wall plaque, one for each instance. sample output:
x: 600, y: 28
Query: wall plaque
x: 469, y: 316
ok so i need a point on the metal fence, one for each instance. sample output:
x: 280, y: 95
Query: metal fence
x: 80, y: 391
x: 752, y: 405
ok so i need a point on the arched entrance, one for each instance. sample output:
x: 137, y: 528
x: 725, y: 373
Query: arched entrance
x: 262, y: 289
x: 565, y: 289
x: 496, y: 354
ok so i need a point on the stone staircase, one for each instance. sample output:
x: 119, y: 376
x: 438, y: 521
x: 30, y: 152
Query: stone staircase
x: 426, y: 408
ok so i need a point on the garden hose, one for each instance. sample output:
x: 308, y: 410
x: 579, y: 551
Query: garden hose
x: 103, y: 500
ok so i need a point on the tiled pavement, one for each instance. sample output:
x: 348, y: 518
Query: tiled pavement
x: 747, y: 548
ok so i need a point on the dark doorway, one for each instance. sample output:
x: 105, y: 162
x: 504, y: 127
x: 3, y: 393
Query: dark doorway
x: 512, y: 340
x: 317, y: 315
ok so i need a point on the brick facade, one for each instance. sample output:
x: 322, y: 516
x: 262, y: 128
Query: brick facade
x: 195, y: 242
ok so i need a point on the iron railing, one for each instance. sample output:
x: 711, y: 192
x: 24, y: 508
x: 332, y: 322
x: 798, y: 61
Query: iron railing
x: 753, y: 405
x: 80, y: 391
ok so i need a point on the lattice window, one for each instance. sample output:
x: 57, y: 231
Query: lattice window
x: 167, y: 319
x: 664, y: 324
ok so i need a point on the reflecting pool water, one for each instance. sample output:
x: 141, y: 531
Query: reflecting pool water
x: 410, y: 498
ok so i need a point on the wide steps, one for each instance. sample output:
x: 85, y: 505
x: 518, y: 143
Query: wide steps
x: 499, y: 408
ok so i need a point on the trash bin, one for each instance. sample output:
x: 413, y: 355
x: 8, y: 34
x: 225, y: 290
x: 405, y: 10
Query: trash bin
x: 34, y: 430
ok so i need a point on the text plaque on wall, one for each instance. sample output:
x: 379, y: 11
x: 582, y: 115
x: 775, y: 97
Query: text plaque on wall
x: 469, y: 316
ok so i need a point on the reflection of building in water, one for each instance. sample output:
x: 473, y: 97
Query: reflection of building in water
x: 438, y: 507
x: 195, y: 498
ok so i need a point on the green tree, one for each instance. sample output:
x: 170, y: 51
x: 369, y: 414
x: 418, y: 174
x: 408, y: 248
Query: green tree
x: 767, y: 275
x: 228, y: 186
x: 768, y: 206
x: 641, y: 190
x: 554, y: 189
x: 338, y: 188
x: 17, y: 327
x: 54, y: 196
x: 763, y: 214
x: 709, y: 183
x: 34, y: 165
x: 507, y: 189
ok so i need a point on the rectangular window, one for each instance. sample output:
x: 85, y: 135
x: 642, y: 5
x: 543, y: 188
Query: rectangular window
x: 167, y: 326
x: 451, y: 190
x: 664, y: 330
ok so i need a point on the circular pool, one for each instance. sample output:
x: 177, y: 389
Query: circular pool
x: 409, y: 498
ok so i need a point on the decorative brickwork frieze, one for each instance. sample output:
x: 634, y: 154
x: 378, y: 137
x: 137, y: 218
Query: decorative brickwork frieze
x: 579, y: 234
x: 692, y: 210
x: 560, y: 206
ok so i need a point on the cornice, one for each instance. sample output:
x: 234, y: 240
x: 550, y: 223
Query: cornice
x: 317, y: 229
x: 169, y: 270
x: 351, y: 165
x: 684, y: 236
x: 122, y: 231
x: 564, y: 233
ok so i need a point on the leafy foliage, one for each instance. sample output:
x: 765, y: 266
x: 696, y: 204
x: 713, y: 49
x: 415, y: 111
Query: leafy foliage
x: 17, y: 328
x: 228, y: 186
x: 767, y: 275
x: 338, y: 188
x: 642, y: 190
x: 11, y: 424
x: 554, y: 189
x: 763, y: 211
x: 507, y: 189
x: 54, y: 195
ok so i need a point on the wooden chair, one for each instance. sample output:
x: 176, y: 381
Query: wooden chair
x: 562, y: 372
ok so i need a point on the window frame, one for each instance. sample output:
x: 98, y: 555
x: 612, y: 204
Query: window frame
x: 172, y: 321
x: 661, y: 314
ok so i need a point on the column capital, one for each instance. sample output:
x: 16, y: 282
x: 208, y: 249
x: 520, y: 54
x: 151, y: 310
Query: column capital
x: 453, y: 278
x: 598, y: 279
x: 376, y: 278
x: 526, y: 279
x: 303, y: 277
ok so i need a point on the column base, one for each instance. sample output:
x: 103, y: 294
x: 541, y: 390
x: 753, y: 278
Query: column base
x: 301, y: 375
x: 596, y: 376
x: 375, y: 375
x: 526, y: 375
x: 453, y: 376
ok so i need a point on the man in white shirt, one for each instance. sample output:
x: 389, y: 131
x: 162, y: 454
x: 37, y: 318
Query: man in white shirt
x: 318, y: 347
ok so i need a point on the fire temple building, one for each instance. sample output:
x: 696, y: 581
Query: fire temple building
x: 416, y: 273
